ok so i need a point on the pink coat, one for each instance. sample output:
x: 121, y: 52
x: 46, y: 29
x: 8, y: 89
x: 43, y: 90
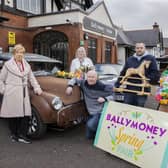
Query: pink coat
x: 12, y: 84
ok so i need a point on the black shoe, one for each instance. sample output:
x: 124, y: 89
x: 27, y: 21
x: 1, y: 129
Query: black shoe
x: 24, y: 139
x: 14, y: 138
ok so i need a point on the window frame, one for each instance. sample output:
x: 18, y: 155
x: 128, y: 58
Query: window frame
x: 108, y: 52
x: 92, y: 49
x: 30, y: 6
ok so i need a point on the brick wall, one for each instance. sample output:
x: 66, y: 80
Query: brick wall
x: 74, y: 33
x: 16, y: 24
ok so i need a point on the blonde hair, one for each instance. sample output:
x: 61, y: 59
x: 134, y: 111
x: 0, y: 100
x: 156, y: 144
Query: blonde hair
x: 80, y: 49
x: 18, y: 47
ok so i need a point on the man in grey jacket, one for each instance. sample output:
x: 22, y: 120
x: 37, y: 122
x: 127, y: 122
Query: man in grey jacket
x: 95, y: 94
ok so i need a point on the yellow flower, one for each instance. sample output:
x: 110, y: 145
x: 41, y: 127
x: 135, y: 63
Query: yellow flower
x: 71, y: 75
x: 164, y: 101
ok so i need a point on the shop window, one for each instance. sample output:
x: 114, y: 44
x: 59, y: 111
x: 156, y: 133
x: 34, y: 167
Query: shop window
x: 108, y: 51
x: 92, y: 49
x: 88, y: 3
x: 31, y: 6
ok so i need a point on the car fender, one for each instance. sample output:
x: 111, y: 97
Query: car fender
x: 43, y: 105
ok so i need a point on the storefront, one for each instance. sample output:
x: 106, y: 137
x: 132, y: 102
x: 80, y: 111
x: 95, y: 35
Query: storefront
x: 59, y: 34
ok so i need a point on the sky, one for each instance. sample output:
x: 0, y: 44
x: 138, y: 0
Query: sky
x: 136, y: 15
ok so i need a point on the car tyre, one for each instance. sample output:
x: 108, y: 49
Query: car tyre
x: 37, y: 127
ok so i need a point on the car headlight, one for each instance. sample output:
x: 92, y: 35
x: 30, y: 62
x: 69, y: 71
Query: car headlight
x: 57, y: 103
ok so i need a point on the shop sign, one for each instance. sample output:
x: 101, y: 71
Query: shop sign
x: 81, y: 43
x: 11, y: 38
x: 95, y: 26
x: 135, y: 134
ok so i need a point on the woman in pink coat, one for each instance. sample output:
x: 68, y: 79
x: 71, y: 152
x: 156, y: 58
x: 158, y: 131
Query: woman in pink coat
x: 14, y: 78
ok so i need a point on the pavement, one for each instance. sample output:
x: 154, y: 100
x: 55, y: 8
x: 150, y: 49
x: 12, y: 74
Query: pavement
x: 66, y: 149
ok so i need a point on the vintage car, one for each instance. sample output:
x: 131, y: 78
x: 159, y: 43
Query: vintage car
x: 52, y: 108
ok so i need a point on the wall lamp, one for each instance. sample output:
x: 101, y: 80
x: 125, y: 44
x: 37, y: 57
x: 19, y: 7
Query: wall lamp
x: 85, y: 36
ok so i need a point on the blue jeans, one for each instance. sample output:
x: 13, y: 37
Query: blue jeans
x: 134, y: 99
x: 91, y: 125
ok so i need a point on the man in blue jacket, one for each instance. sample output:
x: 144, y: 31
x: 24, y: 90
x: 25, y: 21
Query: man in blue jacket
x: 95, y: 94
x: 151, y: 73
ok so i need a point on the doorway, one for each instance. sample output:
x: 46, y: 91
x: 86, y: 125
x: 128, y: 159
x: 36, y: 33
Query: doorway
x: 53, y: 44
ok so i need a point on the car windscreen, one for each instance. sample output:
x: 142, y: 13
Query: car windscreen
x: 44, y: 68
x: 40, y: 64
x: 103, y: 69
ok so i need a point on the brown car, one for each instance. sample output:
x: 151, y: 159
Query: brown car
x: 53, y: 107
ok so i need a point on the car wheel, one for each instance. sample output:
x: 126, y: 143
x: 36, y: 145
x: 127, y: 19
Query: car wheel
x: 36, y: 126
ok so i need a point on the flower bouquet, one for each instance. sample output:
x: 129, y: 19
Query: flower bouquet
x: 63, y: 74
x: 79, y: 73
x: 162, y: 91
x: 68, y: 75
x: 85, y: 69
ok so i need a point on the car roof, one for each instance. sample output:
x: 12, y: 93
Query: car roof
x: 109, y: 68
x: 30, y: 57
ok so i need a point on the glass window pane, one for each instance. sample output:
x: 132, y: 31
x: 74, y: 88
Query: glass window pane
x: 19, y: 4
x: 32, y: 6
x: 108, y: 51
x: 92, y: 49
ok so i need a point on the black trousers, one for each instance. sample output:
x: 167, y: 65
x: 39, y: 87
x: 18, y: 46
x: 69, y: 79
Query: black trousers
x: 19, y: 125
